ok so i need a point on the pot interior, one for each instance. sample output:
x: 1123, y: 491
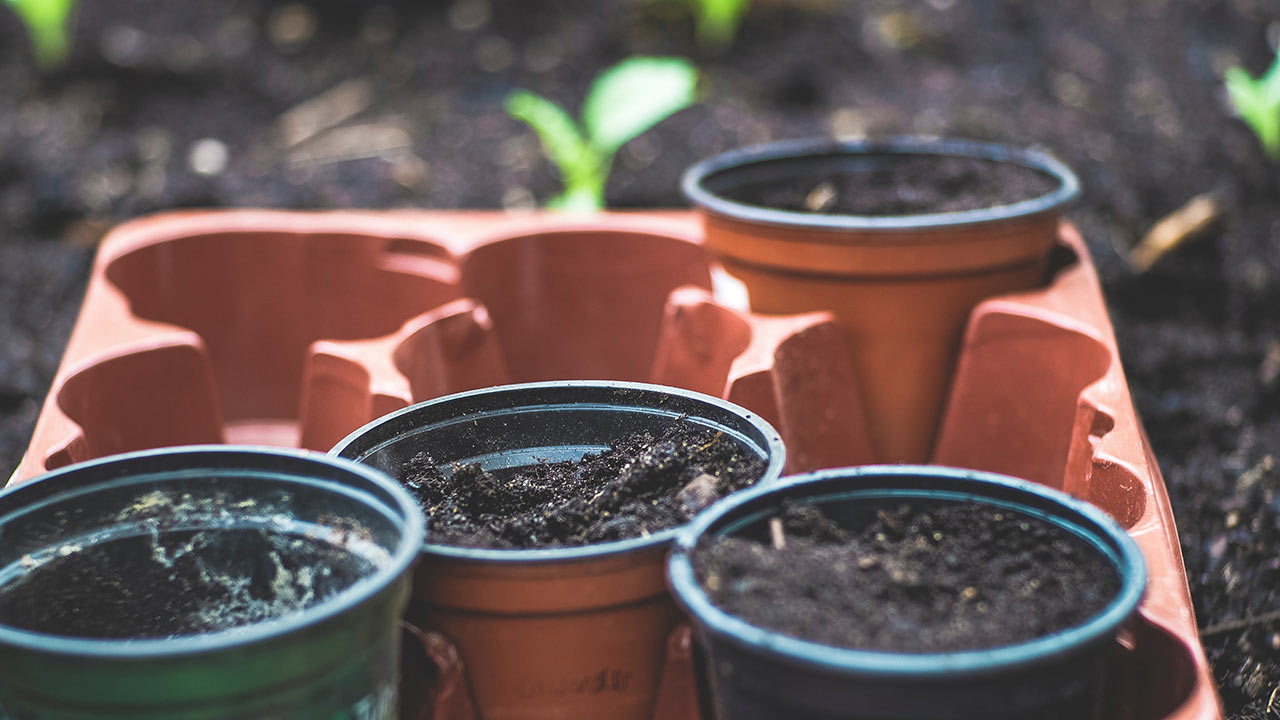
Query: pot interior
x: 506, y: 428
x: 855, y: 499
x: 859, y: 508
x: 176, y: 553
x: 897, y: 183
x: 511, y: 429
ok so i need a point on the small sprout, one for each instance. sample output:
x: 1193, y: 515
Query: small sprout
x: 47, y: 26
x: 624, y: 101
x: 718, y: 21
x: 1257, y: 102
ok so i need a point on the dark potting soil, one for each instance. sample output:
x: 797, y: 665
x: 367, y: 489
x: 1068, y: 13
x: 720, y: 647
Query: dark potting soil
x: 181, y: 583
x: 640, y: 485
x: 957, y: 577
x: 904, y: 185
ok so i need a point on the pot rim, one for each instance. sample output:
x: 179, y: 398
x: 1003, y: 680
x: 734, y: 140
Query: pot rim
x: 775, y: 457
x: 887, y: 664
x: 182, y: 462
x: 693, y: 184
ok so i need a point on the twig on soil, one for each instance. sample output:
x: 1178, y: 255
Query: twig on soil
x: 386, y: 140
x: 821, y: 197
x: 1187, y: 222
x: 324, y: 111
x: 888, y: 522
x: 775, y: 533
x: 714, y: 439
x: 1242, y: 624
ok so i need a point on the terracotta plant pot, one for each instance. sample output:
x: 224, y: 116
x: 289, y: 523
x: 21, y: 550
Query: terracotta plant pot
x: 557, y: 632
x: 181, y: 581
x: 759, y: 673
x: 901, y: 286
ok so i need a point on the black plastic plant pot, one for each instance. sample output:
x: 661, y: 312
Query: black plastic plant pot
x: 552, y: 632
x: 757, y: 673
x: 204, y: 582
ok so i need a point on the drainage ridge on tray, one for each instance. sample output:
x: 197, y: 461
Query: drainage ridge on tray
x: 1038, y: 391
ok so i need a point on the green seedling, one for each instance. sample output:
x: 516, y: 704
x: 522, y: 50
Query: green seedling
x: 623, y: 101
x: 47, y: 24
x: 718, y: 20
x: 1257, y: 102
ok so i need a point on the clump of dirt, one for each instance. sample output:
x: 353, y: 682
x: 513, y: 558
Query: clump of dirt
x: 956, y: 577
x: 176, y: 583
x: 641, y: 484
x: 904, y: 185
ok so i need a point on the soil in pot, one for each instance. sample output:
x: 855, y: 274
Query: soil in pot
x: 903, y: 185
x: 643, y: 483
x: 955, y: 577
x: 176, y: 583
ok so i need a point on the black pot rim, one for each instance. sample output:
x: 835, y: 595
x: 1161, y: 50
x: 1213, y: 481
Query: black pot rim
x: 775, y: 458
x: 693, y: 183
x: 875, y: 663
x: 185, y: 461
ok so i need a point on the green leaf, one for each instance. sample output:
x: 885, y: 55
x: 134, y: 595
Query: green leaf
x: 1256, y: 104
x: 47, y: 26
x: 633, y: 96
x: 1271, y: 81
x: 579, y: 163
x: 718, y: 21
x: 1244, y: 91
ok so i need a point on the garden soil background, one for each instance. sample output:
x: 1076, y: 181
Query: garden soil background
x: 169, y: 104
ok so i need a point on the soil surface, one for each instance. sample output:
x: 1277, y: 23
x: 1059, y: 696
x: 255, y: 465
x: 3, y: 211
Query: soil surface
x: 956, y: 577
x: 166, y: 104
x: 904, y: 185
x: 639, y: 486
x: 181, y: 583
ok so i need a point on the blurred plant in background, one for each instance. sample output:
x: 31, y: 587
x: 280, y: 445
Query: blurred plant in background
x: 718, y: 21
x: 623, y: 101
x: 1257, y: 102
x: 47, y: 26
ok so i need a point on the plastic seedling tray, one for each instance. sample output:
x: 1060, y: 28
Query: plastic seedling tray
x: 293, y: 329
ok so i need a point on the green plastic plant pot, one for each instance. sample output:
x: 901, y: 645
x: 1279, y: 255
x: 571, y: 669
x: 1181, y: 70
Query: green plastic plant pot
x: 576, y: 632
x: 757, y: 673
x: 335, y: 658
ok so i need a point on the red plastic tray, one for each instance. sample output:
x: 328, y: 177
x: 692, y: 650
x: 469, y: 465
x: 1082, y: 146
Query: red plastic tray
x: 292, y: 328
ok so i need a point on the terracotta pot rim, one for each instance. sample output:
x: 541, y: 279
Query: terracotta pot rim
x: 1015, y: 493
x: 186, y: 461
x: 773, y: 447
x: 695, y: 183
